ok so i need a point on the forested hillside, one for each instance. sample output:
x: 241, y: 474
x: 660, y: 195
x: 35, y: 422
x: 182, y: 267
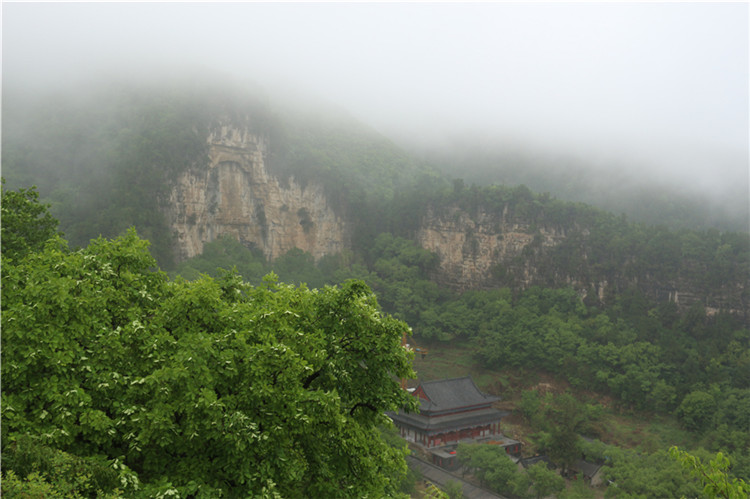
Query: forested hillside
x: 108, y: 160
x: 139, y: 366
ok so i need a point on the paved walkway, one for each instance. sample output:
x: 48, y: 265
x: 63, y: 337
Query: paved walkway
x: 440, y: 477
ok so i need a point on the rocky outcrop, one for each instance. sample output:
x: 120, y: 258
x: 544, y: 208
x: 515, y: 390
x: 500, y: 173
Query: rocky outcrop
x: 475, y: 250
x: 235, y: 195
x: 489, y: 249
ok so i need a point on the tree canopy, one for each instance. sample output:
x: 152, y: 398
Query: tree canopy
x: 27, y: 224
x: 713, y: 475
x: 203, y: 388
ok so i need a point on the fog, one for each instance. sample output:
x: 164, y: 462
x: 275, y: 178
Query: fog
x: 658, y: 89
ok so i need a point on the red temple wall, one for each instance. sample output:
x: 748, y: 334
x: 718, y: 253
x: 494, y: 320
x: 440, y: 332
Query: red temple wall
x: 458, y: 434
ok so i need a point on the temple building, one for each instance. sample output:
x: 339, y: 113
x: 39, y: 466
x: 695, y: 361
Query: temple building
x: 450, y: 410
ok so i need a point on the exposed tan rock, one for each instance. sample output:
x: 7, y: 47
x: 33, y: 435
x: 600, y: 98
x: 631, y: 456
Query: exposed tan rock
x: 236, y: 195
x: 469, y: 247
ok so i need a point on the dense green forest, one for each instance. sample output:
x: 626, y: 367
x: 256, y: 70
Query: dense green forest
x: 121, y: 378
x: 646, y: 355
x: 118, y: 382
x: 598, y: 246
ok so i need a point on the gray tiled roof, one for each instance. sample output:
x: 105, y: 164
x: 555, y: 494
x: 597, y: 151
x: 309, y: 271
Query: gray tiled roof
x: 451, y: 421
x: 449, y: 394
x: 588, y: 469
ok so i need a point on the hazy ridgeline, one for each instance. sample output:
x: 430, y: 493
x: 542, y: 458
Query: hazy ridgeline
x: 609, y: 170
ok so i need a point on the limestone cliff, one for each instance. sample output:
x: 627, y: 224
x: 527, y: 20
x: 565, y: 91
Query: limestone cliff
x: 235, y: 194
x: 489, y: 249
x: 473, y: 249
x: 480, y: 245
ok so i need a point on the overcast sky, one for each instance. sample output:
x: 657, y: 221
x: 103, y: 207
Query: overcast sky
x: 665, y: 83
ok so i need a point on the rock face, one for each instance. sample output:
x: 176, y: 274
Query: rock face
x: 233, y: 193
x: 490, y: 249
x: 474, y: 250
x: 236, y: 195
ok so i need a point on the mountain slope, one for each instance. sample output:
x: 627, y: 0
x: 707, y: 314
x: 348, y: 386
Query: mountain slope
x: 187, y: 165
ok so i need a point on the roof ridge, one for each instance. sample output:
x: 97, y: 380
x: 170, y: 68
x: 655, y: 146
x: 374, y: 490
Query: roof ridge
x: 444, y: 380
x: 449, y: 393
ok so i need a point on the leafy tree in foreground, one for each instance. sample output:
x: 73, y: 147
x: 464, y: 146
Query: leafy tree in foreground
x: 204, y: 388
x: 26, y: 224
x: 716, y: 481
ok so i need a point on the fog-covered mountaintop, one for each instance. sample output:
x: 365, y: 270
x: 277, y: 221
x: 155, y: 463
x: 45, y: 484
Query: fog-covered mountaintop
x: 647, y: 94
x: 186, y: 164
x: 617, y: 185
x: 73, y: 136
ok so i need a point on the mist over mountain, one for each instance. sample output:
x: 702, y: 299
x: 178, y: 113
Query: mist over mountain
x: 257, y: 200
x: 626, y: 94
x: 488, y: 160
x: 190, y: 164
x: 624, y: 185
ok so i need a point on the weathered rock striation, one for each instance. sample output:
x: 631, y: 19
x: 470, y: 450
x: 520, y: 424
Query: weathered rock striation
x: 473, y: 249
x: 489, y: 249
x: 235, y: 195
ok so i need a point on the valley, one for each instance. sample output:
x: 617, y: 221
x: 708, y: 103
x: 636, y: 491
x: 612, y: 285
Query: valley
x: 586, y: 323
